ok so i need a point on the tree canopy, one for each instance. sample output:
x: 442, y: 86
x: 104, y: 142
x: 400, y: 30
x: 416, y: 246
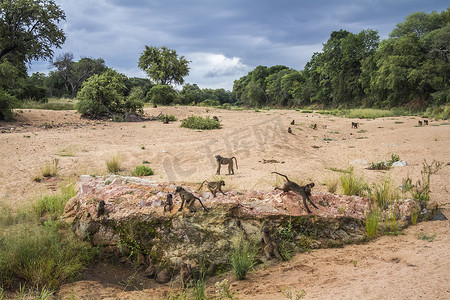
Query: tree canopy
x: 29, y: 30
x: 163, y: 65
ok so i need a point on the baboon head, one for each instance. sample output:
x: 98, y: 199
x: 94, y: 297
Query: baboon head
x: 178, y: 189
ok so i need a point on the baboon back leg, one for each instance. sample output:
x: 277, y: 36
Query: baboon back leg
x: 267, y: 251
x: 201, y: 204
x: 230, y: 168
x: 311, y: 202
x: 181, y: 207
x: 304, y: 203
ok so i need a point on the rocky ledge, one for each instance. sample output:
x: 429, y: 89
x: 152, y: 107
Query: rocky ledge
x: 133, y: 222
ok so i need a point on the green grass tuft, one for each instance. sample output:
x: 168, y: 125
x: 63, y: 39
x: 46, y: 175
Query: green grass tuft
x: 352, y: 185
x: 243, y: 257
x: 113, y: 164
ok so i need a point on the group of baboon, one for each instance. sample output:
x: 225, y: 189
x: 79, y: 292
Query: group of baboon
x: 425, y: 122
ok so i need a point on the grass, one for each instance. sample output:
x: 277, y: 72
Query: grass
x: 367, y: 113
x: 196, y: 122
x: 50, y: 168
x: 40, y: 256
x: 384, y: 193
x: 143, y: 170
x: 426, y: 237
x: 68, y: 151
x: 52, y: 104
x: 352, y: 185
x: 243, y: 257
x: 113, y: 164
x: 332, y: 184
x: 287, y: 292
x: 349, y: 170
x: 372, y: 220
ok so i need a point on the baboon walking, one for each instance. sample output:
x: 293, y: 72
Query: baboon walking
x: 214, y: 186
x: 420, y: 123
x: 225, y: 161
x: 289, y: 130
x: 166, y: 120
x: 355, y: 125
x: 425, y: 122
x: 100, y: 208
x: 216, y: 118
x: 293, y: 122
x: 304, y: 191
x: 187, y: 197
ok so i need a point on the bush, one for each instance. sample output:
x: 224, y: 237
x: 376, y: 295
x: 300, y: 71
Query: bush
x: 7, y: 103
x: 162, y: 94
x: 209, y: 102
x: 143, y: 170
x: 102, y: 96
x: 171, y: 118
x: 372, y: 220
x: 384, y: 193
x: 196, y: 122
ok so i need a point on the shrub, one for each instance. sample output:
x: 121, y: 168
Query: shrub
x: 143, y: 170
x: 162, y: 94
x: 209, y: 102
x: 53, y: 205
x: 171, y: 118
x: 242, y: 257
x: 7, y: 103
x: 196, y: 122
x: 103, y: 96
x: 50, y: 169
x: 113, y: 164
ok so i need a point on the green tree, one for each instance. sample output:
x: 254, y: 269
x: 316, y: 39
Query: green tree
x: 28, y: 29
x: 102, y: 96
x: 163, y: 65
x: 191, y: 93
x: 73, y: 74
x: 162, y: 94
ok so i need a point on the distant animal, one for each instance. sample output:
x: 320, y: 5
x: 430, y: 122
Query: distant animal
x: 289, y: 130
x: 304, y: 191
x: 420, y: 123
x: 425, y: 122
x: 314, y: 126
x: 355, y: 125
x: 225, y: 161
x: 166, y: 120
x: 168, y: 204
x: 216, y: 118
x: 188, y: 275
x: 187, y: 197
x: 293, y: 122
x: 214, y: 186
x: 155, y: 106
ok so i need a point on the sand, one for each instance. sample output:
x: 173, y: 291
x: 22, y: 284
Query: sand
x: 393, y: 267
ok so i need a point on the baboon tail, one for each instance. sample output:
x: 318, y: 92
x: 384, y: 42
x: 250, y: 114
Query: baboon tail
x: 282, y: 175
x: 236, y: 161
x: 202, y: 185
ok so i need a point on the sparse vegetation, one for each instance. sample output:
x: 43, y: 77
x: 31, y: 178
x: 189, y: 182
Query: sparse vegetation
x: 426, y: 237
x: 171, y: 118
x: 113, y: 164
x: 243, y: 257
x: 372, y: 220
x: 143, y: 170
x: 332, y: 184
x: 384, y: 193
x: 196, y: 122
x: 287, y: 292
x: 50, y: 168
x: 352, y: 185
x: 40, y: 257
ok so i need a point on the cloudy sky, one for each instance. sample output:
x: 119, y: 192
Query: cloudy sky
x: 223, y: 39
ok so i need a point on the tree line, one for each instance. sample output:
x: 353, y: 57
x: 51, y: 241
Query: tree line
x: 410, y: 68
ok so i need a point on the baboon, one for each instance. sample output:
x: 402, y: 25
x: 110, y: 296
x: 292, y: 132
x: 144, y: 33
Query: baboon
x: 289, y: 130
x: 225, y: 161
x: 100, y: 208
x: 166, y: 120
x: 293, y: 122
x: 271, y: 248
x: 188, y: 275
x: 420, y: 123
x: 425, y: 122
x: 355, y: 125
x: 168, y: 204
x: 187, y: 197
x: 304, y: 191
x: 216, y: 118
x: 214, y: 186
x: 314, y: 126
x: 155, y: 106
